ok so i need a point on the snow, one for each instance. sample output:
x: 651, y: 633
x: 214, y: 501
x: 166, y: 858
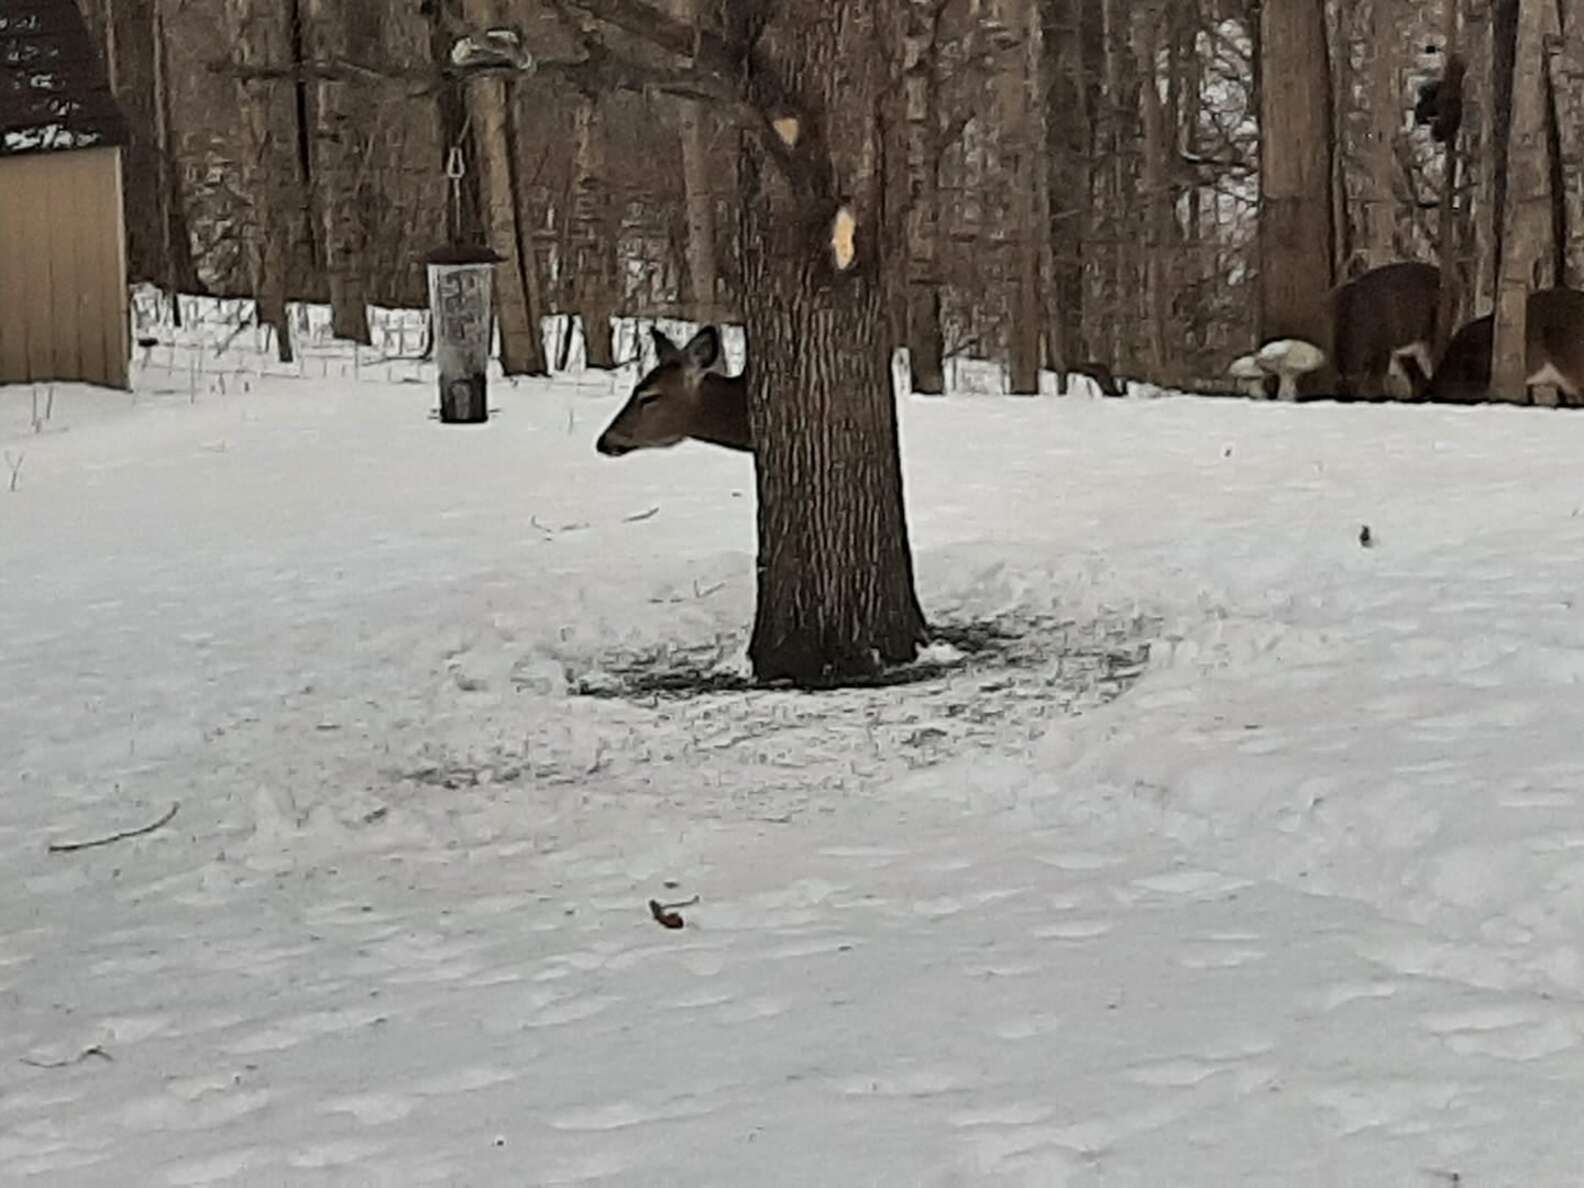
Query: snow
x: 1300, y: 905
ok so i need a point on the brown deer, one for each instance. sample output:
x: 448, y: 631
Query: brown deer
x: 1384, y: 316
x: 682, y: 398
x: 1553, y: 346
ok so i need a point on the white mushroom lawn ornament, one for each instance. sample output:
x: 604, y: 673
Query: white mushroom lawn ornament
x: 1249, y: 374
x: 1288, y: 358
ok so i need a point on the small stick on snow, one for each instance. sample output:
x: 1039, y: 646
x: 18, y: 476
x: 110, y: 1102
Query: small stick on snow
x: 68, y: 847
x: 575, y: 526
x: 91, y: 1050
x: 647, y: 515
x: 15, y: 463
x: 666, y: 914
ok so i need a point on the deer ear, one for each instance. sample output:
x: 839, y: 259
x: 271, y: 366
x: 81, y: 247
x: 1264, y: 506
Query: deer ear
x: 664, y: 347
x: 703, y: 348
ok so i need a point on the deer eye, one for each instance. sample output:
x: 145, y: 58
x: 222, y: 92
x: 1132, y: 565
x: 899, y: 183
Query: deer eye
x: 647, y: 398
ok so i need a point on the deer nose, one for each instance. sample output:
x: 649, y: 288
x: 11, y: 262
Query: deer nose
x: 609, y: 448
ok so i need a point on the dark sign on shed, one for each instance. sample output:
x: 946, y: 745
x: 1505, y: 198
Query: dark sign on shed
x: 53, y: 90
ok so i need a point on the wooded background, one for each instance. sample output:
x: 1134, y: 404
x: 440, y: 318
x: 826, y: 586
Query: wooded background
x: 1081, y: 178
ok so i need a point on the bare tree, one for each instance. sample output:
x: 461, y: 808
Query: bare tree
x: 593, y: 231
x: 1526, y: 216
x: 922, y: 135
x: 271, y: 167
x: 1565, y: 73
x: 694, y: 124
x: 518, y: 302
x: 1296, y: 233
x: 1147, y: 22
x: 339, y: 120
x: 1384, y: 117
x: 1017, y: 31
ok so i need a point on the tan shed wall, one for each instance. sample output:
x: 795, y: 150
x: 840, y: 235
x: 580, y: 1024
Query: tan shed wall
x: 63, y: 280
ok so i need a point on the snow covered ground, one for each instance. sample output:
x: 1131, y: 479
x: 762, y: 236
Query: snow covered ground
x: 1304, y: 905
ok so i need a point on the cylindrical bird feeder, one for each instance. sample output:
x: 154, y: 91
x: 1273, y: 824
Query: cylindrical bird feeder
x: 459, y: 307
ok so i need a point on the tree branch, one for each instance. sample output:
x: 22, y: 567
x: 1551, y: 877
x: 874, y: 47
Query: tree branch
x: 790, y: 130
x: 734, y: 78
x: 605, y: 72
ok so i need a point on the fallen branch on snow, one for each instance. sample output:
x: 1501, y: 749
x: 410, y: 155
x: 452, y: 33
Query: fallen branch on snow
x: 91, y: 1050
x: 575, y: 526
x: 68, y: 847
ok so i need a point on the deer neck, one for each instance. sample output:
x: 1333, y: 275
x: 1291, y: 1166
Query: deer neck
x: 723, y: 404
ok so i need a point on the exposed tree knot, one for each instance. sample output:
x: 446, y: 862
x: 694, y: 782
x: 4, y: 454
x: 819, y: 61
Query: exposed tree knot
x: 844, y: 231
x: 789, y: 128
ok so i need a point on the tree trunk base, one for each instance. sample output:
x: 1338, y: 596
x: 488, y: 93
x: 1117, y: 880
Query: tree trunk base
x: 599, y: 345
x: 808, y: 658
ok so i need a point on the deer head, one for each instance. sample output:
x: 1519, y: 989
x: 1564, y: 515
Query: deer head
x: 681, y: 397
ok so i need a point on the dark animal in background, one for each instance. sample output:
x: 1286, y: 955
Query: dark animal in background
x: 1440, y: 103
x: 1385, y: 315
x: 1553, y: 348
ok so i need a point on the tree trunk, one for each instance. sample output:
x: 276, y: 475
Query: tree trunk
x: 1071, y: 134
x: 1192, y: 324
x: 269, y: 165
x: 926, y: 351
x: 338, y: 150
x: 1526, y: 214
x: 594, y: 233
x: 180, y: 275
x: 1113, y: 280
x: 131, y: 49
x: 835, y: 570
x: 1158, y: 208
x: 521, y: 337
x: 1383, y: 123
x: 1295, y: 226
x: 1020, y: 146
x: 693, y: 127
x: 1450, y: 226
x: 1567, y: 92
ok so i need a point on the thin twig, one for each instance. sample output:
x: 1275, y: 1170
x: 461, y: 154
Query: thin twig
x: 646, y: 515
x: 67, y: 847
x: 574, y: 526
x: 91, y: 1050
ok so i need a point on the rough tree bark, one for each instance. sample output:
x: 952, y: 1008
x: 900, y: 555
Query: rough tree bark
x: 269, y: 161
x: 1526, y: 213
x: 517, y: 312
x: 1107, y: 314
x: 1296, y: 235
x: 1148, y: 19
x: 835, y: 570
x: 128, y: 29
x: 1449, y: 224
x: 1384, y: 118
x: 1070, y: 131
x: 1567, y: 91
x: 179, y: 275
x: 926, y: 350
x: 339, y: 120
x: 594, y: 232
x: 1015, y: 26
x: 693, y: 128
